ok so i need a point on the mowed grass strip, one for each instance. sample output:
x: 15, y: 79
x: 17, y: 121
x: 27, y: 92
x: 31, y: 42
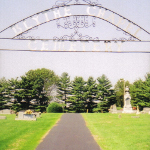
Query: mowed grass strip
x: 125, y: 133
x: 25, y: 135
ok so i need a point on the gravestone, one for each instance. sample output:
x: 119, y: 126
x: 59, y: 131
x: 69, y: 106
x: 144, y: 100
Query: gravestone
x: 37, y: 114
x: 127, y: 102
x: 135, y: 116
x: 20, y: 114
x: 138, y: 111
x: 6, y: 111
x: 29, y: 116
x: 2, y: 117
x: 23, y: 116
x: 146, y: 110
x: 113, y: 109
x: 119, y: 116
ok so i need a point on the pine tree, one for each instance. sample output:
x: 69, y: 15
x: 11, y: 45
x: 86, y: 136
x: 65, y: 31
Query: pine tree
x: 91, y: 90
x: 140, y: 92
x: 3, y: 92
x: 104, y: 93
x: 78, y: 99
x: 64, y: 86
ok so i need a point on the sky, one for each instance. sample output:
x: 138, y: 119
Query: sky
x: 130, y: 66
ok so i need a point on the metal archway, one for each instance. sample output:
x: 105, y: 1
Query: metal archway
x: 53, y: 14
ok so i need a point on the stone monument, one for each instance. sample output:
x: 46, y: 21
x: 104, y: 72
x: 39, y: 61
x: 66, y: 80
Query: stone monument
x: 138, y: 111
x: 23, y: 116
x: 127, y: 102
x: 113, y: 109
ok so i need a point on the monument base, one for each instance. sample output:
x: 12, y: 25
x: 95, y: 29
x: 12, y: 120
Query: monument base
x: 113, y: 109
x: 23, y: 116
x: 127, y: 110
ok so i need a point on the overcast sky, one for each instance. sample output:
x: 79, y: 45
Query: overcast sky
x: 130, y: 66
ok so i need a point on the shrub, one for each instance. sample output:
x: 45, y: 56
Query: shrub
x: 40, y: 109
x: 54, y: 108
x: 95, y: 110
x: 119, y: 108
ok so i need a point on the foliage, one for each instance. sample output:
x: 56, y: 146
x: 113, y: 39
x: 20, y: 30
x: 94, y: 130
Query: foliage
x: 35, y: 89
x: 90, y: 94
x: 64, y: 86
x: 114, y: 133
x: 35, y: 84
x: 14, y: 88
x: 54, y: 108
x: 23, y: 135
x: 105, y: 94
x: 28, y: 92
x: 140, y: 92
x: 3, y: 88
x: 78, y: 99
x: 119, y: 108
x: 95, y: 110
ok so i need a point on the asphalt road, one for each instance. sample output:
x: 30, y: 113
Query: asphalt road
x: 70, y: 133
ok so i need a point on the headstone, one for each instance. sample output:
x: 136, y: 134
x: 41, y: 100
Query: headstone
x: 20, y: 114
x: 6, y: 111
x: 138, y: 111
x: 146, y: 110
x: 2, y: 117
x: 127, y: 102
x: 135, y: 116
x: 113, y: 109
x: 37, y: 114
x: 29, y: 116
x: 119, y: 116
x: 23, y: 116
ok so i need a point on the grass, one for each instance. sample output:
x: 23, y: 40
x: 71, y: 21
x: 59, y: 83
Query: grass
x: 125, y: 133
x: 23, y: 135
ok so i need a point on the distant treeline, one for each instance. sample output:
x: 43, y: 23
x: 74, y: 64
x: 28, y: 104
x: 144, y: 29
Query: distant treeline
x: 35, y: 90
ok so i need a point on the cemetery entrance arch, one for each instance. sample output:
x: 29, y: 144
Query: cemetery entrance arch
x: 75, y: 16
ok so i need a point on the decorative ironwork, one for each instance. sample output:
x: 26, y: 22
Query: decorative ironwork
x: 60, y: 3
x: 22, y: 36
x: 75, y: 23
x: 124, y: 39
x: 131, y: 38
x: 72, y: 37
x: 92, y: 3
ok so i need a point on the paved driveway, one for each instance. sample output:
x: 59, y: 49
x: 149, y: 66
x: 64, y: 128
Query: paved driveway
x: 70, y: 133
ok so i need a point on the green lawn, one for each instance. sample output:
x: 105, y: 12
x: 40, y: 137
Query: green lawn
x: 25, y: 135
x: 125, y: 133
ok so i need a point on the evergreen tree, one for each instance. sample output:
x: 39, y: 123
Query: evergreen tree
x: 140, y: 92
x: 15, y: 95
x: 78, y: 99
x: 64, y: 86
x: 3, y: 93
x: 91, y: 90
x: 104, y: 93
